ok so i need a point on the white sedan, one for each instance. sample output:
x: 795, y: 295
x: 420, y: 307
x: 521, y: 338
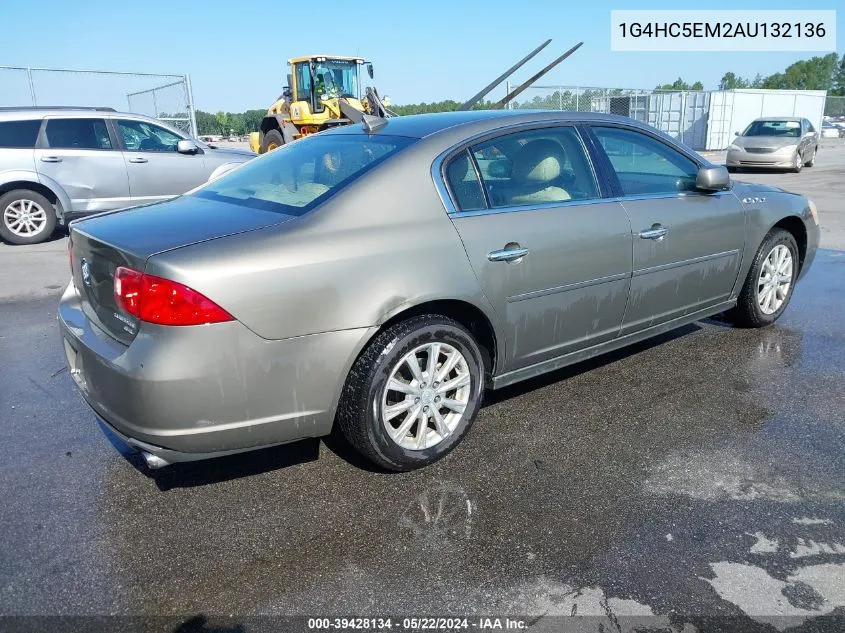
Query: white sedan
x: 830, y: 130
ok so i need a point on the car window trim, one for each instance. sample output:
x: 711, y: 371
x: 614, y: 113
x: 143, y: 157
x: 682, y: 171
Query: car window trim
x: 438, y: 167
x: 42, y: 142
x: 573, y: 203
x: 699, y: 161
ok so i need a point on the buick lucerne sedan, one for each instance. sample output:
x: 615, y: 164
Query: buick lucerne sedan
x: 380, y: 278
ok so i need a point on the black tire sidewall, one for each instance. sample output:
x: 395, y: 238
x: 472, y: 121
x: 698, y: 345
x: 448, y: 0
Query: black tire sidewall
x: 812, y: 160
x: 441, y: 330
x: 774, y: 238
x: 27, y: 194
x: 274, y: 135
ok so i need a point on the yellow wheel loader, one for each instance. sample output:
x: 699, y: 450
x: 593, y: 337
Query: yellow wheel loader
x: 323, y: 91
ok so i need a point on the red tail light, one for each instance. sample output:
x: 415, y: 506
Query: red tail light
x: 157, y: 300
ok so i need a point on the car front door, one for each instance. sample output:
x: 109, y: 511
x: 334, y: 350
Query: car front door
x: 157, y: 171
x: 79, y: 153
x: 552, y: 256
x: 687, y: 244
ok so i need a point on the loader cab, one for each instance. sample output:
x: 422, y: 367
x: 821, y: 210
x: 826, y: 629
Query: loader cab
x: 320, y: 78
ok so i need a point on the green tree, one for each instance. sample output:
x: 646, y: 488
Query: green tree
x: 730, y: 81
x: 838, y: 82
x: 815, y: 73
x: 680, y: 84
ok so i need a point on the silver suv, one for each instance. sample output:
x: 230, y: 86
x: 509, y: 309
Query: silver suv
x: 59, y: 163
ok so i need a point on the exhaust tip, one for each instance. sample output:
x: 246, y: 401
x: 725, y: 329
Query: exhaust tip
x: 154, y: 462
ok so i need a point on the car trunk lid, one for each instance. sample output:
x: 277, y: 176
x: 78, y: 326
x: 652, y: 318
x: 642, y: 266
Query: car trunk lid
x: 100, y: 244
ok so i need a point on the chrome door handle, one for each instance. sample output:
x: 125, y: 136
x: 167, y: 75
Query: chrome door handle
x: 656, y: 232
x: 507, y: 254
x: 137, y: 159
x: 50, y: 159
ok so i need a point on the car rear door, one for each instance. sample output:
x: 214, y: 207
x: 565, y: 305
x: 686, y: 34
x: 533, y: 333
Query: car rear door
x: 552, y: 256
x: 80, y: 154
x: 157, y: 171
x: 687, y: 245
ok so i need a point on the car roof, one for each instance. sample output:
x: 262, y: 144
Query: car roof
x: 19, y: 114
x: 779, y: 118
x: 423, y: 125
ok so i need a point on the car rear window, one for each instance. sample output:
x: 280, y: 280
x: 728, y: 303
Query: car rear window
x: 297, y: 177
x: 19, y: 134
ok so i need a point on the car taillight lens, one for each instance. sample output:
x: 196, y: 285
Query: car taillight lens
x: 162, y: 301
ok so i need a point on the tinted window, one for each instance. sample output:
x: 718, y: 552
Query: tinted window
x: 644, y: 165
x: 463, y: 183
x: 141, y: 136
x: 299, y: 176
x: 78, y: 134
x: 535, y: 167
x: 19, y: 133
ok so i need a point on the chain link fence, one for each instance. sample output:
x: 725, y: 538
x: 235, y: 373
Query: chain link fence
x: 583, y: 99
x: 834, y: 106
x: 165, y: 97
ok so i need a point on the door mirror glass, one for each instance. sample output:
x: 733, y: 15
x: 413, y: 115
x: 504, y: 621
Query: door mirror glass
x: 186, y: 146
x: 715, y: 178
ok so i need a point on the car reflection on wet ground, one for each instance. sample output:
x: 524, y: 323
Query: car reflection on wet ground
x: 694, y: 477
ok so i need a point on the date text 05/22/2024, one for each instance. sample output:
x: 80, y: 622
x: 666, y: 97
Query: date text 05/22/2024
x: 417, y: 624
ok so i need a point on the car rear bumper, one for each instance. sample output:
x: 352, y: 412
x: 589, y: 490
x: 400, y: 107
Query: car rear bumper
x: 185, y: 393
x: 737, y: 158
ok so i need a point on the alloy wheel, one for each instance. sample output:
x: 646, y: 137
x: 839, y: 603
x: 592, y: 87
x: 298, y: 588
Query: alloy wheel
x: 426, y: 395
x: 25, y: 218
x: 775, y: 279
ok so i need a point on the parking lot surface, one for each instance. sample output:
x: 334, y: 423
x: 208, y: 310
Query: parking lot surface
x: 693, y: 478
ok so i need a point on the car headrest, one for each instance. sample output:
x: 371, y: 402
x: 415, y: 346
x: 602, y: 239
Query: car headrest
x: 538, y: 161
x: 458, y: 169
x: 500, y: 168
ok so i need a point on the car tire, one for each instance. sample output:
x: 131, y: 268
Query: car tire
x: 271, y: 140
x: 26, y: 217
x: 812, y: 160
x: 797, y: 163
x: 752, y: 310
x: 363, y: 415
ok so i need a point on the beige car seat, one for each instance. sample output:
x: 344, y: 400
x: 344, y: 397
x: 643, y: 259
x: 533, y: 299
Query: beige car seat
x: 536, y: 167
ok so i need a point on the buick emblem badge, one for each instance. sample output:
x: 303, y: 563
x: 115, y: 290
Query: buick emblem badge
x: 86, y: 272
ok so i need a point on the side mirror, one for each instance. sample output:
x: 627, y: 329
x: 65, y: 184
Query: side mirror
x: 736, y: 133
x: 186, y: 146
x: 714, y: 178
x: 370, y: 70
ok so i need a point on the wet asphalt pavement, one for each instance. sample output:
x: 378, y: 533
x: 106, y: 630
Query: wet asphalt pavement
x: 695, y: 477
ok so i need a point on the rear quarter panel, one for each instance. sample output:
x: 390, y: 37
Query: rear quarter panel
x: 382, y: 245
